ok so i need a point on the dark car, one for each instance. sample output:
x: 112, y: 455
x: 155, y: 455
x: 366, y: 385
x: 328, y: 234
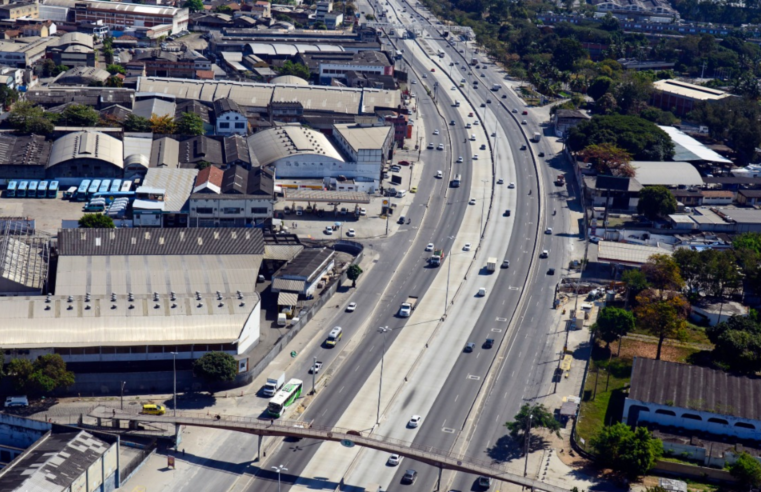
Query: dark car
x: 507, y: 213
x: 541, y: 154
x: 488, y: 101
x: 409, y: 477
x: 504, y: 96
x: 483, y: 105
x: 489, y: 343
x: 469, y: 347
x: 551, y: 271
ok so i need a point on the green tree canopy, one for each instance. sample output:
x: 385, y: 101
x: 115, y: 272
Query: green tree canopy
x: 656, y: 201
x: 79, y: 115
x: 135, y: 123
x: 216, y: 366
x: 297, y: 69
x: 567, y: 53
x: 27, y: 117
x: 747, y: 470
x: 632, y: 453
x: 540, y: 418
x: 190, y: 124
x: 641, y: 138
x: 115, y: 68
x: 663, y: 315
x: 613, y: 323
x: 734, y: 120
x: 96, y: 221
x: 8, y: 96
x: 42, y: 376
x: 353, y: 274
x: 599, y: 87
x: 737, y: 344
x: 193, y: 5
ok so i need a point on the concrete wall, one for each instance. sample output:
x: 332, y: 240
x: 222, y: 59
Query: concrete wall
x: 20, y: 432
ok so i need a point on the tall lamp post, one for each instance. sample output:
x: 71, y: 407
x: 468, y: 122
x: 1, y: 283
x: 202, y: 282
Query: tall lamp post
x: 279, y: 469
x: 121, y: 395
x: 382, y: 330
x: 174, y: 369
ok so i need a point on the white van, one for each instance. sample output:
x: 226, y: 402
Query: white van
x: 401, y: 193
x: 16, y: 401
x: 457, y: 103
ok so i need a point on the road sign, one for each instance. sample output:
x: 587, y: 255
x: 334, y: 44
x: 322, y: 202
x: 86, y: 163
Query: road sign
x: 347, y: 443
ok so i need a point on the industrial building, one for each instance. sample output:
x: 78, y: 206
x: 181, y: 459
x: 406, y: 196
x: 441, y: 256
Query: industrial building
x: 86, y: 154
x: 681, y: 97
x: 162, y: 200
x: 301, y: 276
x: 74, y: 49
x: 117, y: 15
x: 235, y: 197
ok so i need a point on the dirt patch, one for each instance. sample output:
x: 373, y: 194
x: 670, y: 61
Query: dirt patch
x: 631, y: 348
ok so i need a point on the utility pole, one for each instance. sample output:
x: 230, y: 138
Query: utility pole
x: 314, y: 364
x: 483, y: 206
x: 382, y: 330
x: 528, y: 439
x: 174, y: 368
x: 121, y: 396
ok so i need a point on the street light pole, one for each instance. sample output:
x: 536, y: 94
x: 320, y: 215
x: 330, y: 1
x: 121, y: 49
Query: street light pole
x: 528, y: 438
x: 279, y: 469
x: 121, y: 396
x: 483, y: 206
x: 314, y: 364
x: 174, y: 369
x: 382, y: 330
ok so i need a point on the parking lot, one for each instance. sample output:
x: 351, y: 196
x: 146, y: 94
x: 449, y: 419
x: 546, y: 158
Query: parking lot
x: 47, y: 212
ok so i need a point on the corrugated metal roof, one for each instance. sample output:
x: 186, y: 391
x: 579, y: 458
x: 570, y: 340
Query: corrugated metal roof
x: 161, y: 241
x: 274, y: 144
x: 285, y: 284
x: 287, y: 299
x: 148, y: 107
x: 695, y: 388
x: 692, y: 91
x: 666, y: 173
x: 281, y: 252
x: 87, y: 145
x: 178, y: 184
x: 31, y: 322
x: 631, y: 254
x: 687, y: 148
x: 363, y: 137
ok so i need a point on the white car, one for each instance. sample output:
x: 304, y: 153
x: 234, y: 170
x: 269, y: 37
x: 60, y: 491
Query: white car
x: 515, y: 110
x: 436, y: 131
x: 394, y: 460
x: 328, y: 231
x: 439, y: 174
x: 351, y: 233
x: 430, y: 146
x: 475, y: 157
x: 441, y: 146
x: 472, y: 201
x: 482, y: 292
x: 524, y: 122
x: 429, y: 247
x: 351, y: 307
x: 453, y: 88
x: 315, y: 367
x: 362, y: 211
x: 459, y: 160
x: 466, y: 247
x: 548, y: 230
x: 473, y: 138
x: 414, y: 421
x: 544, y: 254
x: 414, y: 81
x: 511, y: 185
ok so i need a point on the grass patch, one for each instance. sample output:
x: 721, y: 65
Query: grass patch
x: 603, y: 406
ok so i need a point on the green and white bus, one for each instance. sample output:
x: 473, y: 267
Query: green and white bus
x: 285, y: 397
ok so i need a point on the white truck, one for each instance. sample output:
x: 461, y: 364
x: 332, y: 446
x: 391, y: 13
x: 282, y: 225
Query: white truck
x: 282, y: 319
x: 274, y: 382
x: 491, y: 264
x: 405, y: 310
x: 537, y: 137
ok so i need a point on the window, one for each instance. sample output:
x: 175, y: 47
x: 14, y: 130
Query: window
x: 714, y: 420
x: 240, y: 126
x: 665, y: 412
x: 745, y: 425
x: 205, y: 210
x: 259, y: 210
x: 691, y: 416
x: 224, y: 125
x: 231, y: 210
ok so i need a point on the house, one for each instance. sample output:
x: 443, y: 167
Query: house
x: 74, y: 49
x: 717, y: 197
x: 236, y: 152
x: 565, y: 119
x: 693, y: 398
x: 235, y: 197
x: 330, y: 65
x: 13, y: 11
x: 199, y: 109
x: 230, y: 118
x: 261, y: 9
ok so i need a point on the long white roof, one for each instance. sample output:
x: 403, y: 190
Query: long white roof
x: 273, y: 144
x: 687, y: 148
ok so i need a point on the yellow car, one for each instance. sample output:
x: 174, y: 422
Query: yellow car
x: 413, y: 189
x: 152, y: 409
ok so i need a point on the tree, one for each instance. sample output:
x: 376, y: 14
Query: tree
x: 353, y: 274
x: 58, y: 70
x: 663, y: 315
x: 115, y: 68
x: 632, y: 453
x: 48, y: 65
x: 747, y: 470
x: 608, y: 159
x: 539, y: 416
x: 656, y: 201
x: 135, y: 123
x: 633, y: 92
x: 599, y: 87
x: 224, y: 9
x: 216, y: 366
x: 96, y: 221
x: 193, y: 5
x: 297, y: 69
x: 737, y: 344
x: 164, y: 125
x: 641, y: 138
x: 734, y: 120
x: 613, y: 323
x: 202, y: 165
x: 79, y: 115
x: 567, y: 52
x: 8, y: 96
x: 27, y: 117
x: 662, y: 272
x: 114, y: 81
x: 42, y: 376
x: 190, y: 124
x: 635, y: 281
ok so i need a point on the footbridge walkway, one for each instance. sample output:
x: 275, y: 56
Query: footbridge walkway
x: 294, y: 429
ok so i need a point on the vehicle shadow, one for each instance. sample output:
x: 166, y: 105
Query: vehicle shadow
x: 192, y: 401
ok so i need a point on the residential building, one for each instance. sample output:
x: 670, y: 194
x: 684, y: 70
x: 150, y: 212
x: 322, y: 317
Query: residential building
x: 334, y: 20
x: 565, y: 119
x: 237, y: 152
x: 693, y: 398
x: 713, y: 198
x: 118, y: 15
x: 285, y: 111
x: 680, y: 97
x: 324, y: 7
x: 86, y: 154
x: 13, y: 11
x: 230, y: 118
x: 235, y: 197
x: 96, y: 97
x: 261, y: 9
x: 400, y: 124
x: 38, y: 29
x: 749, y: 197
x: 160, y: 63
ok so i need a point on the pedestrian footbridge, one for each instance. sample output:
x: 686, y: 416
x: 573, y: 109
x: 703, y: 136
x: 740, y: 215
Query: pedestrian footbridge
x: 294, y: 429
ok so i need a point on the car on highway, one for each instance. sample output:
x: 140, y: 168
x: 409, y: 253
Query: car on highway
x: 436, y: 131
x: 433, y: 70
x: 476, y: 123
x: 315, y: 367
x: 451, y: 123
x: 351, y: 233
x: 515, y: 110
x: 394, y: 460
x: 548, y: 230
x: 468, y: 126
x: 541, y: 154
x: 483, y: 75
x: 409, y: 477
x: 481, y: 292
x: 488, y: 343
x: 504, y: 96
x: 469, y: 347
x: 441, y: 146
x: 439, y: 174
x: 488, y: 101
x: 483, y: 105
x: 505, y: 263
x: 425, y: 76
x: 414, y: 81
x: 524, y: 122
x: 551, y: 271
x: 466, y: 247
x: 523, y: 147
x: 463, y: 81
x: 524, y: 112
x: 351, y: 307
x: 493, y: 134
x: 473, y: 137
x: 500, y: 181
x: 544, y: 254
x: 472, y: 201
x: 414, y: 421
x: 511, y: 185
x: 459, y: 160
x: 475, y: 157
x: 484, y: 482
x: 470, y: 115
x: 453, y: 88
x: 429, y: 247
x: 430, y: 146
x: 507, y: 213
x: 413, y: 189
x: 328, y: 231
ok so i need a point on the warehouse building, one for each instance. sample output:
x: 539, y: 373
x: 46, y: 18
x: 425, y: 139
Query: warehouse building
x: 681, y: 97
x: 24, y: 157
x: 118, y: 15
x: 86, y: 154
x: 235, y: 197
x: 74, y: 49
